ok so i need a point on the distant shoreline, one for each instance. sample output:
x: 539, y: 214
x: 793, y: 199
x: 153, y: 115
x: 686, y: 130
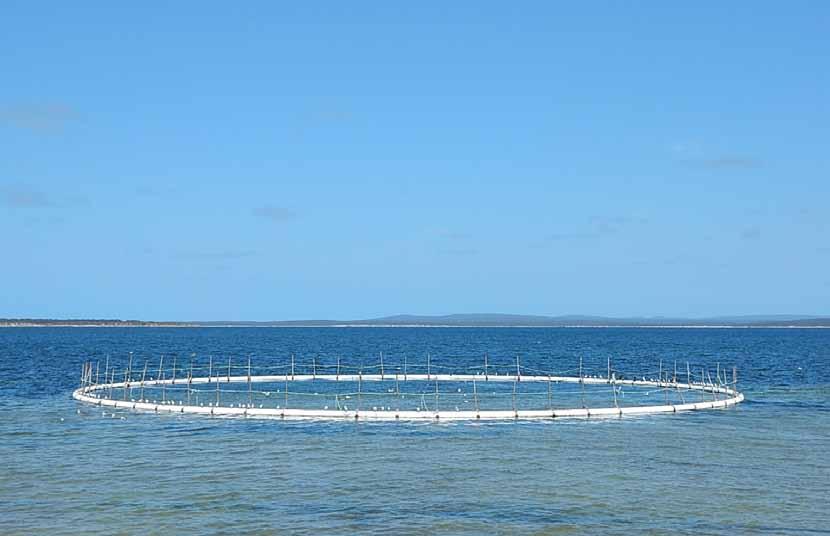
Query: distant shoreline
x: 444, y: 326
x: 474, y: 320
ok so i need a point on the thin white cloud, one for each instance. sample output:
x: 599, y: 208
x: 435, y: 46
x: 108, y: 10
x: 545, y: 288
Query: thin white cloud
x: 274, y: 213
x: 20, y: 196
x: 751, y: 233
x: 38, y: 117
x: 217, y: 256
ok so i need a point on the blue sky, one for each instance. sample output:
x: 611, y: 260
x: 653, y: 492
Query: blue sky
x: 204, y: 160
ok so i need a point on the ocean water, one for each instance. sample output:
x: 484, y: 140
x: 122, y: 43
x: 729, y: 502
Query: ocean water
x: 760, y: 468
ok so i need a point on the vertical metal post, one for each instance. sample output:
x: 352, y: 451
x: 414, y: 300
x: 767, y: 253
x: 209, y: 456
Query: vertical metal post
x: 97, y: 371
x: 429, y: 359
x: 285, y: 404
x: 609, y: 370
x: 397, y: 393
x: 210, y: 367
x: 189, y: 380
x: 614, y: 389
x: 518, y: 370
x: 126, y: 383
x: 218, y: 383
x: 229, y: 369
x: 160, y: 376
x: 475, y: 397
x: 174, y: 369
x: 130, y: 366
x: 143, y: 376
x: 514, y: 398
x: 292, y: 366
x: 581, y: 382
x: 107, y: 368
x: 314, y: 367
x: 359, y: 387
x: 688, y: 376
x: 250, y: 392
x: 381, y: 365
x: 404, y: 367
x: 550, y: 395
x: 436, y: 395
x: 486, y: 377
x: 338, y: 367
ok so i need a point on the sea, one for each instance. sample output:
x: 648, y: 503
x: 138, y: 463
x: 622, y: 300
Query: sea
x: 761, y: 467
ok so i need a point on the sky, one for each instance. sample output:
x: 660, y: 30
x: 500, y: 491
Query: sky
x: 202, y: 160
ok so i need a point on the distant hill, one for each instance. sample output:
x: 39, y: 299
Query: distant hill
x: 459, y: 320
x: 595, y: 321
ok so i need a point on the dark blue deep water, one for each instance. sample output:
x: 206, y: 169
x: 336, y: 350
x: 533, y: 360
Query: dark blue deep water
x: 760, y: 468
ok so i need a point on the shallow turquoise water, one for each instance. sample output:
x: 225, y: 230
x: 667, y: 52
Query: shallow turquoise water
x: 761, y: 468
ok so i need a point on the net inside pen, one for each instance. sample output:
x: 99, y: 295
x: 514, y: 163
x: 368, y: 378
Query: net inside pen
x: 398, y: 389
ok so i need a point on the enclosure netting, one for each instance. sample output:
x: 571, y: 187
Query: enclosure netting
x: 400, y: 388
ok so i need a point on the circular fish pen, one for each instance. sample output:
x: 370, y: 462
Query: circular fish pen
x: 403, y: 391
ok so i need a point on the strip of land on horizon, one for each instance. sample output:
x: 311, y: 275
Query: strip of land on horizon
x: 456, y: 320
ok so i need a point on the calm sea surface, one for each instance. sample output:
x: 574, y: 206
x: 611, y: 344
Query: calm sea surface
x: 760, y: 468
